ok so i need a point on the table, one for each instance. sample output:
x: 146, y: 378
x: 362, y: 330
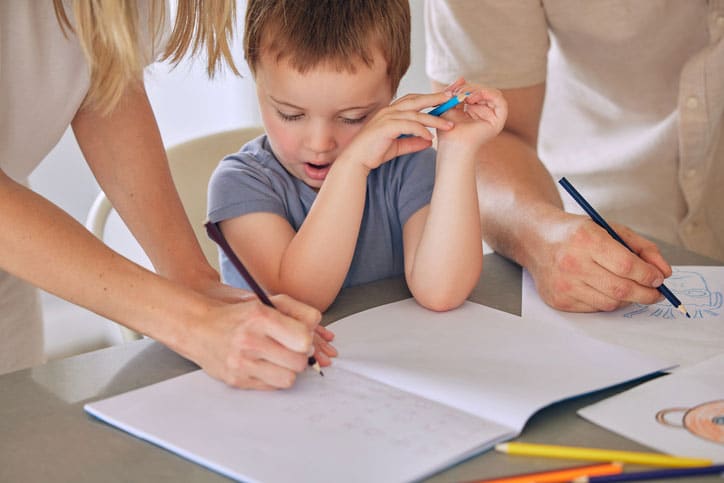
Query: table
x: 46, y: 436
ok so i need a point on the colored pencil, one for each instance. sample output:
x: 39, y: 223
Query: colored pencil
x: 443, y: 108
x: 560, y: 475
x: 655, y: 475
x: 592, y: 454
x: 214, y: 232
x: 449, y: 104
x: 603, y: 224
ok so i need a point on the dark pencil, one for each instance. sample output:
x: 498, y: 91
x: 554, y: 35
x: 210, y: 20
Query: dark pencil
x: 655, y: 475
x: 214, y: 232
x: 602, y: 223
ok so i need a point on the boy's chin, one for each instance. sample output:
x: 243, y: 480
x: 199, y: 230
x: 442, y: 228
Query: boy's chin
x: 315, y: 184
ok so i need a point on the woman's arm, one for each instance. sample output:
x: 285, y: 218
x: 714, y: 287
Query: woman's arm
x: 125, y: 153
x: 244, y: 344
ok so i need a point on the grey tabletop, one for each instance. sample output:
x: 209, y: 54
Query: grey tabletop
x: 45, y: 435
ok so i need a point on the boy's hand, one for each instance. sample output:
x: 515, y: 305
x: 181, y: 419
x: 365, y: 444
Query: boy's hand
x: 379, y: 140
x: 479, y: 118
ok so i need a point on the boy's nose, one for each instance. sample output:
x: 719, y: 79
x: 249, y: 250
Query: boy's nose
x: 320, y: 138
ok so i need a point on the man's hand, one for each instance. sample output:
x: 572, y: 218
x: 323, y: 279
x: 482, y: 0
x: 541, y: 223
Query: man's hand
x: 579, y: 267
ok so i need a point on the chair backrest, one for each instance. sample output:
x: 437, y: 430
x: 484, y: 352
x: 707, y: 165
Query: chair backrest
x: 191, y: 163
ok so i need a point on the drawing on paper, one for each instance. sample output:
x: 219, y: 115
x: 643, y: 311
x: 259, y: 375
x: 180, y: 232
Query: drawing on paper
x: 692, y: 290
x: 703, y: 421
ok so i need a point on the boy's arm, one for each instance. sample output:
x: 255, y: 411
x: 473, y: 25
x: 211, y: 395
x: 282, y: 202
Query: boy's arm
x: 311, y: 264
x: 443, y: 243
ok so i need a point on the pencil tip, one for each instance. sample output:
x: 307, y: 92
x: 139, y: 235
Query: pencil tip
x: 683, y: 310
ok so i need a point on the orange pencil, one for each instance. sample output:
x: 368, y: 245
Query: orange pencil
x: 560, y: 475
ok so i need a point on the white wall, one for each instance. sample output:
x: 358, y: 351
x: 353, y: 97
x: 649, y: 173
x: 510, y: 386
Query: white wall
x: 186, y: 105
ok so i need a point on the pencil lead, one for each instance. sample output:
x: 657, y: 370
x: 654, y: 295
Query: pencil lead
x: 312, y: 361
x: 683, y: 310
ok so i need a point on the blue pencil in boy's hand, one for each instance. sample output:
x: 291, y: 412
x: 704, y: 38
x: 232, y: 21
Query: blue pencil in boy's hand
x: 443, y: 108
x: 668, y: 294
x: 449, y: 104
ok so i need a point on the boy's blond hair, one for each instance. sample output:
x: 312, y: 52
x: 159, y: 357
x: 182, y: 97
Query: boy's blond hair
x: 308, y: 33
x: 113, y: 42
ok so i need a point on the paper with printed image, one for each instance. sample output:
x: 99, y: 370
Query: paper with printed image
x: 658, y: 329
x: 680, y: 413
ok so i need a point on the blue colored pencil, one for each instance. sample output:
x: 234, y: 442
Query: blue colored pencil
x: 449, y: 104
x: 655, y: 474
x: 602, y: 223
x: 442, y: 109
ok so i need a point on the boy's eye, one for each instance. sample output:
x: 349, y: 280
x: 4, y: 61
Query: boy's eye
x: 289, y: 117
x: 355, y: 120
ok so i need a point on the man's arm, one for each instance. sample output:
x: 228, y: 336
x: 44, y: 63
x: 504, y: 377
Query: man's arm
x: 575, y: 264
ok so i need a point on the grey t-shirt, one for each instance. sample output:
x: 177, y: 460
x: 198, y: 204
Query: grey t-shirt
x: 252, y: 180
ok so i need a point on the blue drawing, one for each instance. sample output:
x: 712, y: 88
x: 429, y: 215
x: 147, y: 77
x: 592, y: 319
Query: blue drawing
x: 689, y: 287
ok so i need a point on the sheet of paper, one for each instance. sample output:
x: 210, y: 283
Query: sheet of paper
x: 412, y: 392
x: 658, y: 330
x: 483, y: 361
x: 680, y: 413
x: 340, y: 427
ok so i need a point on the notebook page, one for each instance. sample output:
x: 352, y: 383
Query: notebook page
x: 341, y: 427
x: 480, y: 360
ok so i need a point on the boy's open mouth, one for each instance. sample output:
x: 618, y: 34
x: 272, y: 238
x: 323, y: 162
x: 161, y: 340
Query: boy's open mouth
x: 317, y: 171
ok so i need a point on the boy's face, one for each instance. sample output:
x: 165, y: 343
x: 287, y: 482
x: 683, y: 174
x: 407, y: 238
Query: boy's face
x: 310, y: 118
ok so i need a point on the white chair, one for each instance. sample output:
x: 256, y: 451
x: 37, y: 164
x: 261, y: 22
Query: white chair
x: 191, y: 163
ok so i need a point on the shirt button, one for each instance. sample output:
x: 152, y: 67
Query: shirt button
x: 692, y: 102
x: 690, y: 173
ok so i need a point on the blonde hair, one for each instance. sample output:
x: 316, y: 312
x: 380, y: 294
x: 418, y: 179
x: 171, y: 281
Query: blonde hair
x: 117, y: 52
x: 312, y: 32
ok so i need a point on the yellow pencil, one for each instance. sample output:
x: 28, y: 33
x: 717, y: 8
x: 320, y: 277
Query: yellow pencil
x: 591, y: 454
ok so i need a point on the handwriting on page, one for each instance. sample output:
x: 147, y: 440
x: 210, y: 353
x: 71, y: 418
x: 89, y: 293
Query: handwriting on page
x: 376, y: 413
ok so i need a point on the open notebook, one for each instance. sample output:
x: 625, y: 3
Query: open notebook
x: 412, y: 393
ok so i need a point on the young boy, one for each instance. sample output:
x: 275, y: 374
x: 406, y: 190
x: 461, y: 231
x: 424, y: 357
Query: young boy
x: 332, y: 195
